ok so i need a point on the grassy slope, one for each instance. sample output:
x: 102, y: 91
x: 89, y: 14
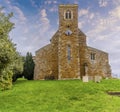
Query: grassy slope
x: 60, y: 96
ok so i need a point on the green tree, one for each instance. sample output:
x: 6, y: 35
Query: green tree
x: 28, y: 70
x: 6, y: 46
x: 8, y: 54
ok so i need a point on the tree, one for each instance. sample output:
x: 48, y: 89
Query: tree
x: 8, y: 53
x: 7, y: 56
x: 7, y: 48
x: 28, y: 70
x: 17, y: 67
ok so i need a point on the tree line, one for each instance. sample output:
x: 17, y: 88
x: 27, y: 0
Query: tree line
x: 12, y: 64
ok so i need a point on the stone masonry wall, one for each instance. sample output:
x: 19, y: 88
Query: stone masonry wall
x: 46, y: 60
x: 43, y: 65
x: 100, y: 66
x: 82, y: 51
x: 68, y: 69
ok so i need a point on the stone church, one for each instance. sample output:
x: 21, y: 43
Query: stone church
x: 68, y: 56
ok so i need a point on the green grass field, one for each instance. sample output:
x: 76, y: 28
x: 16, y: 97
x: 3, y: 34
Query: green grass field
x: 61, y: 96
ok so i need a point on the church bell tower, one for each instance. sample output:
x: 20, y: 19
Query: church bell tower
x: 68, y: 43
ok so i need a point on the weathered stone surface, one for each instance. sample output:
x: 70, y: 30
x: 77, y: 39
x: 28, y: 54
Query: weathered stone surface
x: 85, y: 78
x: 98, y: 78
x: 68, y: 68
x: 68, y: 54
x: 100, y: 65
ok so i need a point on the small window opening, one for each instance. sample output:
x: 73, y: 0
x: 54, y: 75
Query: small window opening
x: 68, y: 52
x: 92, y: 56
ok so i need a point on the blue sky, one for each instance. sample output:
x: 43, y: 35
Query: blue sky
x: 37, y: 20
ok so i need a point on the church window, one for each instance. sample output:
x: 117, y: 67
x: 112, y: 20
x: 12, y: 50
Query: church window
x: 68, y: 52
x: 92, y: 56
x: 68, y: 14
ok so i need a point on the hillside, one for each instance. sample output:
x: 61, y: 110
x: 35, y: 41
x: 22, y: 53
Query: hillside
x: 61, y: 96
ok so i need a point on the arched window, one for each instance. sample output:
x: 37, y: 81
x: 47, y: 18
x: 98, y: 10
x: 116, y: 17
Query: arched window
x: 68, y: 53
x: 68, y: 14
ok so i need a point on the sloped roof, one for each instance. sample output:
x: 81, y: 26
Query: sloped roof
x: 80, y: 32
x: 55, y: 35
x: 43, y: 48
x: 91, y: 48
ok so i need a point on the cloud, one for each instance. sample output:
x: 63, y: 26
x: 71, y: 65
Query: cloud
x: 43, y: 13
x: 107, y: 24
x: 80, y: 24
x: 33, y: 3
x: 103, y: 3
x: 44, y: 20
x: 41, y: 33
x: 55, y: 1
x: 20, y: 14
x: 51, y: 2
x: 34, y: 35
x: 115, y: 13
x: 7, y: 2
x: 48, y: 2
x: 83, y: 12
x: 76, y: 2
x: 54, y: 9
x: 91, y: 16
x: 86, y: 14
x: 116, y: 2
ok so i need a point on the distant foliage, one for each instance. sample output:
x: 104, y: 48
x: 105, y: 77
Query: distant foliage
x: 28, y: 70
x: 17, y: 67
x: 8, y: 54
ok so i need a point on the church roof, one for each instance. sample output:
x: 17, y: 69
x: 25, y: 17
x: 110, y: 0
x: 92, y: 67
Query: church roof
x: 91, y: 48
x: 55, y: 36
x: 81, y: 33
x: 43, y: 48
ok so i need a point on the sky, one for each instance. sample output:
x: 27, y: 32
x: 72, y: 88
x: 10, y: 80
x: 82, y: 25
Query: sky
x: 36, y: 21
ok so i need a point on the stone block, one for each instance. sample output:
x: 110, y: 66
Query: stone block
x: 98, y: 78
x: 85, y: 79
x: 91, y: 78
